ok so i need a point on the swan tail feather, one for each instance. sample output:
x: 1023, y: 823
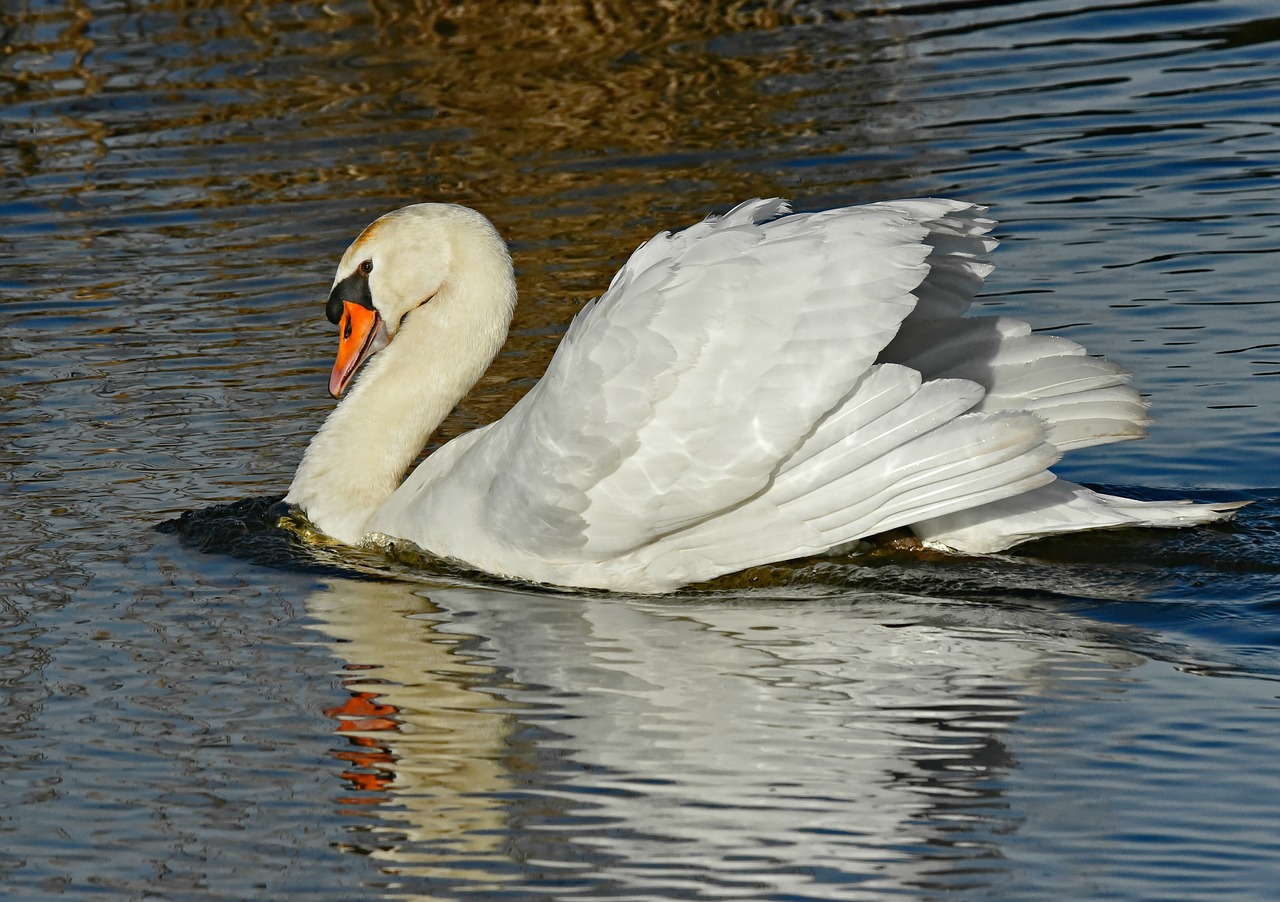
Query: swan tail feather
x: 1056, y: 508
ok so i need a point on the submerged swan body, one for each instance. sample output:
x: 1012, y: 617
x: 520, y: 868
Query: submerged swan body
x: 759, y: 387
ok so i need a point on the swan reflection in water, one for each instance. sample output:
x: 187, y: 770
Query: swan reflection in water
x: 751, y: 746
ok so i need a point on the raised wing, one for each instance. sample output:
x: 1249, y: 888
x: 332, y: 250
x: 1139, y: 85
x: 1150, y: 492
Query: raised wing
x: 682, y: 391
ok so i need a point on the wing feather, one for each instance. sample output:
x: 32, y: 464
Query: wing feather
x: 1084, y: 400
x: 896, y: 450
x: 710, y: 359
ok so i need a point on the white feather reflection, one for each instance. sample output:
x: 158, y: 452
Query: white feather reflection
x: 700, y: 746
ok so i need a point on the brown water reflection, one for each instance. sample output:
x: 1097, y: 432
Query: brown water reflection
x: 579, y: 128
x: 488, y: 87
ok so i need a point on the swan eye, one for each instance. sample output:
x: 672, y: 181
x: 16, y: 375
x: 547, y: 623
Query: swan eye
x: 366, y: 267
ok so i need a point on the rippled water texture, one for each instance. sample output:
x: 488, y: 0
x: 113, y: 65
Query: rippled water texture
x: 1093, y: 718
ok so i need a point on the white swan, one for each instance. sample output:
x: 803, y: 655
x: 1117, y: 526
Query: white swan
x: 756, y: 388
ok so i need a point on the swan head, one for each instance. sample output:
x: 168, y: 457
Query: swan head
x: 409, y: 260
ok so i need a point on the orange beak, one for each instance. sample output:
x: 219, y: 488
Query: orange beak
x: 361, y: 335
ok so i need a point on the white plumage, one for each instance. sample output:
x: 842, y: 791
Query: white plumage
x: 758, y: 387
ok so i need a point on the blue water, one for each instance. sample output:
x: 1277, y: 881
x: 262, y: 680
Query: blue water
x: 227, y: 715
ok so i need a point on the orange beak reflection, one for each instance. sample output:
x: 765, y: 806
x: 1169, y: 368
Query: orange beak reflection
x: 361, y: 335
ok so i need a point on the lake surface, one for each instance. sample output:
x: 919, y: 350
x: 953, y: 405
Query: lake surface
x: 231, y: 716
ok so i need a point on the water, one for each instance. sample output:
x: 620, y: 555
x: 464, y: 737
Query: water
x: 1094, y: 718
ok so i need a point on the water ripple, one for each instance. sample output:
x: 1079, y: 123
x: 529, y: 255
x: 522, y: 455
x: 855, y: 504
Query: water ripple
x: 231, y: 710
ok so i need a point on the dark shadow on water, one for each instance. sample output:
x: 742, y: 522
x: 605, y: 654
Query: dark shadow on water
x: 267, y: 532
x: 251, y: 530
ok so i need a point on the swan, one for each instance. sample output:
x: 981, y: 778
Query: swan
x: 761, y: 386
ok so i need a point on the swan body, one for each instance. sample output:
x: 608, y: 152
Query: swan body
x: 759, y: 387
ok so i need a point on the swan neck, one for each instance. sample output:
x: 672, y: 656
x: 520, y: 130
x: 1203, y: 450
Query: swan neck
x: 361, y: 453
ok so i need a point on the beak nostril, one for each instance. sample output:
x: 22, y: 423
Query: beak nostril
x: 346, y: 325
